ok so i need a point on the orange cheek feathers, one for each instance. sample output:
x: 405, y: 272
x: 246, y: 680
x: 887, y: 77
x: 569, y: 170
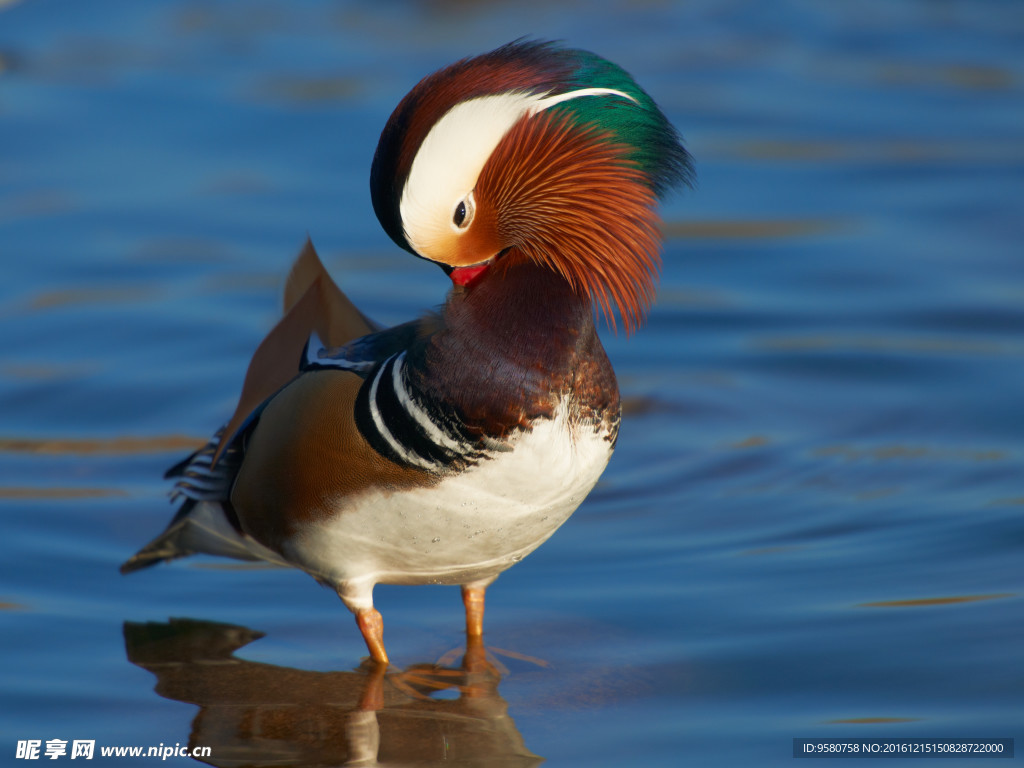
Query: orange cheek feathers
x: 478, y: 243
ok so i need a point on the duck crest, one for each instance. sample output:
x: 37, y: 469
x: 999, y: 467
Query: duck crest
x: 533, y: 152
x: 635, y: 122
x: 521, y: 67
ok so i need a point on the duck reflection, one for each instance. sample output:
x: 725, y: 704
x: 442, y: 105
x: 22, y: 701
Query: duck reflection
x: 260, y: 714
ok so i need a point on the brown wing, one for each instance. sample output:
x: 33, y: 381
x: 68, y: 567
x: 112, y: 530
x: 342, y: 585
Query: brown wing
x: 306, y: 455
x: 312, y: 302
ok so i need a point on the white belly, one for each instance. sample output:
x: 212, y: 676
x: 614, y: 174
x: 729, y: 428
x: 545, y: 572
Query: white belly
x: 470, y: 527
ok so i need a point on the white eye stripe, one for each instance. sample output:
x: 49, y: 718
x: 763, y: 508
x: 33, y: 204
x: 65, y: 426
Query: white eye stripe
x: 550, y: 101
x: 450, y: 159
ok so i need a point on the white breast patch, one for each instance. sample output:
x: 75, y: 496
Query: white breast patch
x: 469, y: 527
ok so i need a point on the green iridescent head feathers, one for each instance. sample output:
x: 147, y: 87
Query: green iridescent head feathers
x: 636, y: 121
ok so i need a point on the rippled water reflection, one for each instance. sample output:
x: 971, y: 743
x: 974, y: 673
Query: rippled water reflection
x: 260, y: 713
x: 812, y: 525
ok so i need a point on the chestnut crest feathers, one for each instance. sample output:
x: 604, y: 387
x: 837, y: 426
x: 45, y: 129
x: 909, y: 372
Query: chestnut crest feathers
x: 536, y: 152
x: 437, y: 198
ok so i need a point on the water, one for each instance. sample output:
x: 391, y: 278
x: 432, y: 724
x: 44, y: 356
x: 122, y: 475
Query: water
x: 812, y: 525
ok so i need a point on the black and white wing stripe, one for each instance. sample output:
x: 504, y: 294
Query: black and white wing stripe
x: 410, y: 429
x: 399, y: 421
x: 359, y: 355
x: 197, y: 478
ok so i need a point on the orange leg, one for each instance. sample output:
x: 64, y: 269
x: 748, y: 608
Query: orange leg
x: 372, y: 627
x: 473, y: 599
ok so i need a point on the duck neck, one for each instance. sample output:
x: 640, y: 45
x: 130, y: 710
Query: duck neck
x: 516, y: 344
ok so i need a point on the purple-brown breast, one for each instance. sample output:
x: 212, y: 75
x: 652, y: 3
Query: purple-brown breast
x: 515, y: 343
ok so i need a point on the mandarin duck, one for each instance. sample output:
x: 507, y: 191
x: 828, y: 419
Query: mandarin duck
x: 446, y: 449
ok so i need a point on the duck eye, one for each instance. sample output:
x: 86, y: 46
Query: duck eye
x: 464, y: 212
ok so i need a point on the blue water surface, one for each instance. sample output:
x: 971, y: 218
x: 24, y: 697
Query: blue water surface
x: 813, y: 525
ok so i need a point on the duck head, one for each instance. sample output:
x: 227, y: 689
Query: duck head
x: 538, y: 153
